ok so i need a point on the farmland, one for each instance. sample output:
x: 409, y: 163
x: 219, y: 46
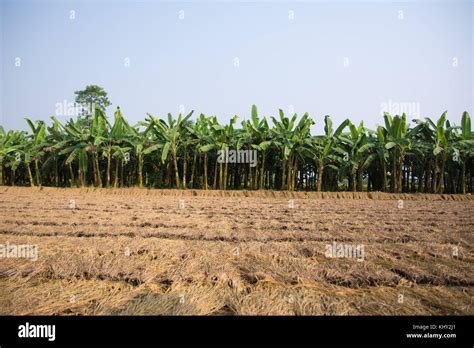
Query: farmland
x: 195, y: 252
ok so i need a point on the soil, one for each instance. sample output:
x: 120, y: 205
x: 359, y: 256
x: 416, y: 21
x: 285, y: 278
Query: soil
x: 140, y: 251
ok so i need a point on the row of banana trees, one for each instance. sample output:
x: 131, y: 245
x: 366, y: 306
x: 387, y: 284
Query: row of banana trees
x: 431, y: 156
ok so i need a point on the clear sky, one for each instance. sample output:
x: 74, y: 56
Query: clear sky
x: 344, y: 58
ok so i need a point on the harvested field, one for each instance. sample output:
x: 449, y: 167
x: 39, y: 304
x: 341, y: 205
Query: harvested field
x: 132, y: 251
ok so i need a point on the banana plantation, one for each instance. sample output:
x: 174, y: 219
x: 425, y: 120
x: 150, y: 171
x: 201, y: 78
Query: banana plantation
x: 434, y: 156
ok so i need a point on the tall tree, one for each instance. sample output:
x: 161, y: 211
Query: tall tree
x: 89, y: 98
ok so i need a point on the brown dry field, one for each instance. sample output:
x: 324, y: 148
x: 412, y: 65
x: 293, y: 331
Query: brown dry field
x: 135, y: 251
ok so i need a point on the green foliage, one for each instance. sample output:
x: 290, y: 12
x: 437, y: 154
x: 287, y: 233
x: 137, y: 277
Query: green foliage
x: 90, y: 97
x: 431, y: 156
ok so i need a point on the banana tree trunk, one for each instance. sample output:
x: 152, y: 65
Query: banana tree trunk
x: 452, y: 183
x: 360, y: 184
x: 426, y: 178
x: 30, y: 176
x: 253, y: 180
x: 116, y: 173
x: 257, y: 177
x: 439, y: 189
x: 262, y: 172
x: 184, y: 170
x: 81, y: 177
x: 254, y: 177
x: 99, y: 177
x: 283, y: 175
x: 384, y: 176
x: 320, y: 175
x: 94, y: 171
x: 97, y: 170
x: 37, y: 174
x: 108, y: 169
x: 249, y: 184
x: 420, y: 181
x: 56, y: 176
x: 1, y: 171
x: 245, y: 176
x: 220, y: 176
x: 353, y: 180
x: 289, y: 174
x: 463, y: 177
x: 441, y: 177
x: 394, y: 172
x: 205, y: 171
x: 169, y: 166
x: 294, y: 181
x: 71, y: 174
x: 121, y: 173
x: 435, y: 176
x: 225, y: 175
x: 400, y: 172
x: 140, y: 170
x: 176, y: 173
x: 214, y: 184
x: 193, y: 168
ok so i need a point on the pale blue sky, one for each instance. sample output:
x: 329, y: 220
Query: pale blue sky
x: 284, y: 63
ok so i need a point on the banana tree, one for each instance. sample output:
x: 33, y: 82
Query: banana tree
x: 464, y: 148
x: 221, y: 137
x: 376, y: 145
x: 111, y: 143
x: 290, y: 139
x: 82, y: 142
x: 75, y: 146
x: 142, y: 145
x: 324, y: 149
x: 6, y: 147
x: 442, y: 148
x: 54, y: 135
x: 35, y: 149
x: 260, y: 139
x: 171, y: 136
x: 398, y: 140
x: 356, y: 146
x: 436, y: 153
x: 202, y: 138
x: 121, y: 155
x: 11, y: 144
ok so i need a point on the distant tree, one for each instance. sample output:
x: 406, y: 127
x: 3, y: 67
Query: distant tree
x: 90, y: 97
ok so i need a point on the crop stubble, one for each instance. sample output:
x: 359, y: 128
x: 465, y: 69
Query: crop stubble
x: 132, y: 251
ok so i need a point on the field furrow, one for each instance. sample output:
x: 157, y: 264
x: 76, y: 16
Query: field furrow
x: 133, y: 253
